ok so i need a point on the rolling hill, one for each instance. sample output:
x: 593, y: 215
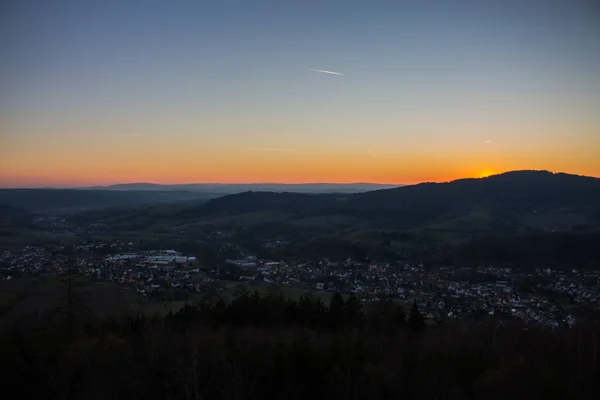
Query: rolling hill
x: 70, y: 200
x: 11, y: 211
x: 223, y: 188
x: 510, y: 202
x: 133, y: 194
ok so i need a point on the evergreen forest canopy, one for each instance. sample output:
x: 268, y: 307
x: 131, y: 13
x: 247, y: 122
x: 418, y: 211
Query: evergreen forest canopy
x: 269, y: 347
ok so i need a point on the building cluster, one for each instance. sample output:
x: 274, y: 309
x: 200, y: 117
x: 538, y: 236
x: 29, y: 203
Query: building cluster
x: 150, y: 272
x: 545, y: 297
x: 31, y: 261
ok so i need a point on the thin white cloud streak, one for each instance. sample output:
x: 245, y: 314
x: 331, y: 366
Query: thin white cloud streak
x: 326, y: 72
x: 270, y: 149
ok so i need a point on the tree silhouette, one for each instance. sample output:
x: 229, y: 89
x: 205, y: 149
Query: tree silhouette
x: 416, y: 322
x: 337, y: 311
x: 74, y: 306
x: 399, y: 316
x: 353, y: 310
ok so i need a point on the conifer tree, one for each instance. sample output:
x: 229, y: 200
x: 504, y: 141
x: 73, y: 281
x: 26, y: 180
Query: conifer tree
x: 416, y: 322
x: 337, y: 310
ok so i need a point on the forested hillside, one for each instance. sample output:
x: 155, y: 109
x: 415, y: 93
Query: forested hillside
x: 268, y: 347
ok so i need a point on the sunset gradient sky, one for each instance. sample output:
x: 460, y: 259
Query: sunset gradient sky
x: 100, y: 92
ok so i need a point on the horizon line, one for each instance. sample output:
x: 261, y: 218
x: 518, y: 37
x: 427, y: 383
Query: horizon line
x: 291, y: 183
x: 205, y: 183
x: 101, y: 186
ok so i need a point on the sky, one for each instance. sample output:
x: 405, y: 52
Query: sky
x: 96, y: 92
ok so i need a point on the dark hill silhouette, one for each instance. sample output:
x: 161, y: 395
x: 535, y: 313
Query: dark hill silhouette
x: 520, y: 201
x: 234, y: 188
x: 517, y: 192
x: 11, y: 211
x: 527, y: 188
x: 53, y: 200
x: 249, y: 202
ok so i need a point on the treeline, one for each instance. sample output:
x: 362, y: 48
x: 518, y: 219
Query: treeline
x: 273, y: 348
x: 275, y: 311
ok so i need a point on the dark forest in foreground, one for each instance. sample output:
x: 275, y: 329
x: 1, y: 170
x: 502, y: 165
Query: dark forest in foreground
x: 272, y: 348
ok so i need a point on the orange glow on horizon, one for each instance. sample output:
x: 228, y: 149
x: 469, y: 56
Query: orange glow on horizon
x: 83, y: 180
x: 486, y: 173
x: 178, y: 97
x: 221, y: 165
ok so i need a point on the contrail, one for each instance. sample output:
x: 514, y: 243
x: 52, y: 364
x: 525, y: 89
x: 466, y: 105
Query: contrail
x: 326, y: 72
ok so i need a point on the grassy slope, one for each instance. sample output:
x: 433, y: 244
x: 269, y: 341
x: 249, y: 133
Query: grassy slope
x: 23, y: 296
x: 11, y: 237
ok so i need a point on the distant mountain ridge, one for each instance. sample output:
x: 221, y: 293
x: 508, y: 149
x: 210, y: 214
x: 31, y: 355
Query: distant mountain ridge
x: 9, y: 211
x: 72, y: 200
x: 515, y: 198
x: 519, y: 202
x: 232, y: 188
x: 505, y: 196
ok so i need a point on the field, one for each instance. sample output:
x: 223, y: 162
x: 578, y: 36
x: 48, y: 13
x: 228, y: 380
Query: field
x: 24, y: 296
x: 11, y: 237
